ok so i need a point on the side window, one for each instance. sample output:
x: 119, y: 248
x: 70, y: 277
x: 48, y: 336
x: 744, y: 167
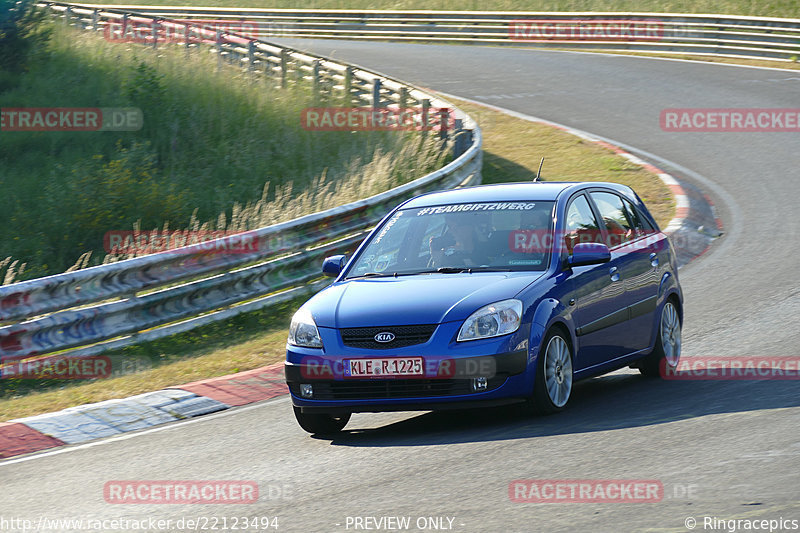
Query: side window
x: 640, y: 225
x: 615, y: 217
x: 581, y: 224
x: 646, y: 225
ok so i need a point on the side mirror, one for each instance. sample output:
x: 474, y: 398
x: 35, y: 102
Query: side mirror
x: 589, y: 253
x: 332, y: 266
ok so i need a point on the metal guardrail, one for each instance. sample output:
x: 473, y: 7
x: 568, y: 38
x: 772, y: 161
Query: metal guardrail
x: 726, y: 35
x: 83, y: 313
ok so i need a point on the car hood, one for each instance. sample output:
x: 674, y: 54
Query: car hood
x: 420, y: 299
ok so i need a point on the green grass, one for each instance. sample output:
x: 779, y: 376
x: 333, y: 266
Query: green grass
x: 248, y: 341
x: 772, y: 8
x: 512, y: 149
x: 211, y: 141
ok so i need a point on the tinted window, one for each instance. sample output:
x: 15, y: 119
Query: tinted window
x: 498, y: 235
x: 581, y: 224
x: 646, y: 226
x: 640, y: 225
x: 615, y: 217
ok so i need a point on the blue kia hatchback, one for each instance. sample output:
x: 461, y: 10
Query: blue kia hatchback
x: 485, y: 296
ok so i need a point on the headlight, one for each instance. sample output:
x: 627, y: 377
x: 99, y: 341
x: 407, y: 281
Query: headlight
x: 493, y: 320
x: 303, y: 330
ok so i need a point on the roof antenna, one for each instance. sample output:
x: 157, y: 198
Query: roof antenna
x: 539, y: 172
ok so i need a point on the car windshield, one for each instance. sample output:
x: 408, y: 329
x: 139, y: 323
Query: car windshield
x: 491, y: 236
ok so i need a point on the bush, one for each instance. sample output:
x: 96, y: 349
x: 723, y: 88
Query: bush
x: 21, y: 36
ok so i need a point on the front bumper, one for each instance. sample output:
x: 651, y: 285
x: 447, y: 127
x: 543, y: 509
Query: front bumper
x: 506, y: 383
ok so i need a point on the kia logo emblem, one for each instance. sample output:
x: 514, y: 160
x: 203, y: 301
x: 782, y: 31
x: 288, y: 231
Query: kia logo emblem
x: 384, y: 336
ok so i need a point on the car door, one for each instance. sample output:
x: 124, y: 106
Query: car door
x: 637, y: 259
x: 596, y: 292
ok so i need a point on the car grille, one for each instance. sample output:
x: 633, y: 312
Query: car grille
x: 404, y: 336
x: 362, y: 389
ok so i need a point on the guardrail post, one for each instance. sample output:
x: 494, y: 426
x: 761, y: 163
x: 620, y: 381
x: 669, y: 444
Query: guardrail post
x: 315, y: 79
x: 426, y: 105
x: 67, y: 15
x: 284, y: 67
x: 268, y: 69
x: 154, y: 26
x: 95, y: 19
x: 462, y: 138
x: 348, y: 86
x: 218, y: 41
x: 444, y: 116
x: 376, y: 93
x: 124, y: 26
x: 251, y: 56
x: 403, y: 100
x: 187, y: 40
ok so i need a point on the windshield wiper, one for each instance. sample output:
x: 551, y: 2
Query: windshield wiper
x: 374, y: 275
x: 459, y: 270
x: 470, y: 270
x: 440, y: 270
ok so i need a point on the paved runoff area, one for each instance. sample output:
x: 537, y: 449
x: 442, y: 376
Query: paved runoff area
x: 84, y: 423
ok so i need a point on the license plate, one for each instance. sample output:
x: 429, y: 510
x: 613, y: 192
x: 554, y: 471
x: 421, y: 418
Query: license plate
x: 383, y: 367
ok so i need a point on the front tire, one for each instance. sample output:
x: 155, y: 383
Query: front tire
x: 667, y: 352
x: 553, y: 387
x: 320, y: 423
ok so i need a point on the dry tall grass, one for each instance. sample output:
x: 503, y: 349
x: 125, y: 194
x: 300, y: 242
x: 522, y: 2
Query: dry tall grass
x: 362, y: 181
x: 221, y: 149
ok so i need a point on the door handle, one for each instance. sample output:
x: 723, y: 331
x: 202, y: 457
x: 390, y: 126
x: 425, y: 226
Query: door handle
x: 614, y: 273
x: 654, y: 260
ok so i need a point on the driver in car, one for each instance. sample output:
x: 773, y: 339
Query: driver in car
x: 461, y: 243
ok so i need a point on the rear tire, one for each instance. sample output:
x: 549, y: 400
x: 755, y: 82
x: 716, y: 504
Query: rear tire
x: 321, y: 423
x: 553, y: 387
x: 667, y: 351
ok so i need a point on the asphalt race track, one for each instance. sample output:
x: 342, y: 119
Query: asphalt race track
x: 721, y: 449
